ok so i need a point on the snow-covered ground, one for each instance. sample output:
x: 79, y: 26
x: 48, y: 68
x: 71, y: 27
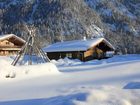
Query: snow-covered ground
x: 113, y: 81
x: 7, y: 71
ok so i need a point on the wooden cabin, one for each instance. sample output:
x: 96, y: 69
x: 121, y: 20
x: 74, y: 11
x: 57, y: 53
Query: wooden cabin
x: 10, y: 44
x: 84, y: 50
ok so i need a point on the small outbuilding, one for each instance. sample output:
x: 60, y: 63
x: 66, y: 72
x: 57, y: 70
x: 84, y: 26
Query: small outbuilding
x: 10, y: 44
x: 84, y: 50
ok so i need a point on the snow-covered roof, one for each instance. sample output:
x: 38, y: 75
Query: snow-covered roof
x: 75, y: 45
x: 3, y: 37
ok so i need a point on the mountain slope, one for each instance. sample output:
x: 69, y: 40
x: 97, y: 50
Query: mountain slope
x: 56, y: 20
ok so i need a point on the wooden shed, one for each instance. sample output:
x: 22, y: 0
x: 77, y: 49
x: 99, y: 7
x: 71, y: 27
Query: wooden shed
x: 10, y: 44
x: 84, y: 50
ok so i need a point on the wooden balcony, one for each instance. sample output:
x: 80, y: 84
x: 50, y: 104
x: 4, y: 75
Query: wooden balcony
x: 10, y: 48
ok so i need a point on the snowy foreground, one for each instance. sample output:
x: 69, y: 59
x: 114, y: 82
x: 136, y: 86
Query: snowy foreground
x: 114, y: 81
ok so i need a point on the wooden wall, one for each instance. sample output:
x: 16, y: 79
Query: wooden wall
x: 6, y: 43
x: 90, y: 54
x: 73, y: 55
x: 93, y: 53
x: 8, y: 48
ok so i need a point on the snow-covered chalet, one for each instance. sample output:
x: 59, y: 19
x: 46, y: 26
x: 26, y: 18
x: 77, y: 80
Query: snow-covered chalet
x: 84, y: 50
x: 10, y: 44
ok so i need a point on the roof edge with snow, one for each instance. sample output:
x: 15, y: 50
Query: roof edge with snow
x: 3, y: 37
x: 76, y: 45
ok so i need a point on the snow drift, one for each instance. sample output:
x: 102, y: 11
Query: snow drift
x: 9, y: 71
x: 108, y: 95
x: 85, y: 95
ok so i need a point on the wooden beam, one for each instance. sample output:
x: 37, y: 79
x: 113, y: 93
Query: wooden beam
x: 9, y: 49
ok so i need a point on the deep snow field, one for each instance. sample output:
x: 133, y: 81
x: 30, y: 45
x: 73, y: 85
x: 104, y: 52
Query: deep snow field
x: 113, y: 81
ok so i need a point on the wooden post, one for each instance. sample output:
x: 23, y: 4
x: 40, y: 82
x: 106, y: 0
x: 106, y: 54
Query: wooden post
x: 30, y: 47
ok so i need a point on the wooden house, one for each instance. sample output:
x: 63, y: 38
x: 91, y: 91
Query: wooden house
x: 10, y: 44
x: 84, y: 50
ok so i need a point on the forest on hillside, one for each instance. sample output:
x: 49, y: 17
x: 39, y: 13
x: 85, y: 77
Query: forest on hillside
x: 57, y: 20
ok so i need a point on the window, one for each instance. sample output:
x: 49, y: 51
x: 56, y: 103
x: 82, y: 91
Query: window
x: 7, y: 43
x: 69, y: 55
